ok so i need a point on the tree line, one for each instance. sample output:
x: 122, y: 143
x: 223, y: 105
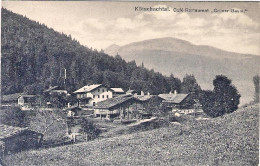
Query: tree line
x: 35, y: 57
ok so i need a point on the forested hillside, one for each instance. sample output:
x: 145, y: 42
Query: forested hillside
x: 35, y: 56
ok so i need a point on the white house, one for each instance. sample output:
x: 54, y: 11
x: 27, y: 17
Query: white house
x: 89, y: 95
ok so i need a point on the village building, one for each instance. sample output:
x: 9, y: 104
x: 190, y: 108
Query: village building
x: 15, y: 139
x: 55, y: 90
x: 117, y: 91
x: 177, y: 101
x: 146, y: 104
x: 19, y: 99
x: 76, y: 111
x: 90, y: 95
x: 128, y: 106
x: 115, y: 107
x: 27, y: 100
x: 131, y: 92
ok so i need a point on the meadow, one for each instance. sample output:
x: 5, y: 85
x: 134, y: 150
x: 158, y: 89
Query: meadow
x: 232, y: 139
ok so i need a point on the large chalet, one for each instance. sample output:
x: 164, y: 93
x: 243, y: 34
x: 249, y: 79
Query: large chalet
x: 90, y: 95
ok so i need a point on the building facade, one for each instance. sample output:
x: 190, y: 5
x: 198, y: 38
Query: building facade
x: 90, y: 95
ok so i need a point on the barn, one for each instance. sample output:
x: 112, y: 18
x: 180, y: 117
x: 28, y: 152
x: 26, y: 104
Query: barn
x: 177, y: 101
x: 16, y: 139
x: 114, y: 107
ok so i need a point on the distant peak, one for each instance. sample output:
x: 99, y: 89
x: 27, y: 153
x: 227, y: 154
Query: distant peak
x: 113, y: 46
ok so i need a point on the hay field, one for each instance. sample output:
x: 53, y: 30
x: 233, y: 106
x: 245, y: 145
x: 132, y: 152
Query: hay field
x: 228, y: 140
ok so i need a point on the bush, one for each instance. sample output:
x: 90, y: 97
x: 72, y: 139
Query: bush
x: 12, y: 116
x: 223, y: 99
x: 89, y: 128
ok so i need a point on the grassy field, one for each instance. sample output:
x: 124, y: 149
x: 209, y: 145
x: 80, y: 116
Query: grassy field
x: 228, y: 140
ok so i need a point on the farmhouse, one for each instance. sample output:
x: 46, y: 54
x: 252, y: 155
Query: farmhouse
x: 90, y: 95
x: 18, y: 99
x: 177, y: 101
x: 76, y: 111
x: 146, y: 104
x: 27, y: 100
x: 114, y: 107
x: 15, y: 139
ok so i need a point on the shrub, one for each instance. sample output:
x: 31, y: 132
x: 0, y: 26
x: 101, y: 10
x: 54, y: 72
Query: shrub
x: 89, y: 128
x: 12, y: 116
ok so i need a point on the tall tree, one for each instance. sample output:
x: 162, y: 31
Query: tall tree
x: 223, y: 99
x: 256, y: 84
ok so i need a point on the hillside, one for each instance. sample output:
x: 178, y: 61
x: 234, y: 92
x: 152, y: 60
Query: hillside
x: 229, y: 140
x: 35, y: 56
x: 171, y: 55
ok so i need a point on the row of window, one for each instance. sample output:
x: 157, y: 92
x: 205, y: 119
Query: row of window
x: 98, y: 96
x: 103, y: 90
x: 85, y: 95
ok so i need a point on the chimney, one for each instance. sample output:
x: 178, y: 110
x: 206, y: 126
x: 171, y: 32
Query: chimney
x: 175, y: 92
x: 142, y: 93
x: 170, y: 92
x: 148, y: 93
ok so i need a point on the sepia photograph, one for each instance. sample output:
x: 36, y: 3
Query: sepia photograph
x: 129, y: 83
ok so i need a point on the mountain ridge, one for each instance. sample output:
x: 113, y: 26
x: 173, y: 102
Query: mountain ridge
x: 180, y: 57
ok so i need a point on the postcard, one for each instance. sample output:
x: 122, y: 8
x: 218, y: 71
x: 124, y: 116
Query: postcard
x: 129, y: 83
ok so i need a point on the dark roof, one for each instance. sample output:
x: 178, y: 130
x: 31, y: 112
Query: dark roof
x: 114, y: 101
x: 11, y: 97
x: 173, y: 98
x: 8, y: 131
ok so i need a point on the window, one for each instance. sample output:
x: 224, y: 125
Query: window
x: 98, y: 90
x: 94, y: 96
x: 94, y: 103
x: 107, y: 96
x: 103, y: 90
x: 103, y: 96
x: 98, y: 96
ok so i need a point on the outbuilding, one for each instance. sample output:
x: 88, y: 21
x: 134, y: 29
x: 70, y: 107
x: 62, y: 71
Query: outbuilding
x: 16, y: 139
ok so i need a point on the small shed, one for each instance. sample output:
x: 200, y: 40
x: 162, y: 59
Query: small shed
x: 16, y: 139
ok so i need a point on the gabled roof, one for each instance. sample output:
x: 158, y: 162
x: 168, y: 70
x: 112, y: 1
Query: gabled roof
x: 52, y: 88
x: 88, y: 88
x: 11, y: 97
x: 144, y: 97
x: 28, y: 96
x: 114, y: 101
x: 173, y: 98
x: 8, y: 131
x: 117, y: 90
x: 131, y: 91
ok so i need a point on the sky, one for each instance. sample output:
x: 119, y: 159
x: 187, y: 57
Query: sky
x: 100, y: 24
